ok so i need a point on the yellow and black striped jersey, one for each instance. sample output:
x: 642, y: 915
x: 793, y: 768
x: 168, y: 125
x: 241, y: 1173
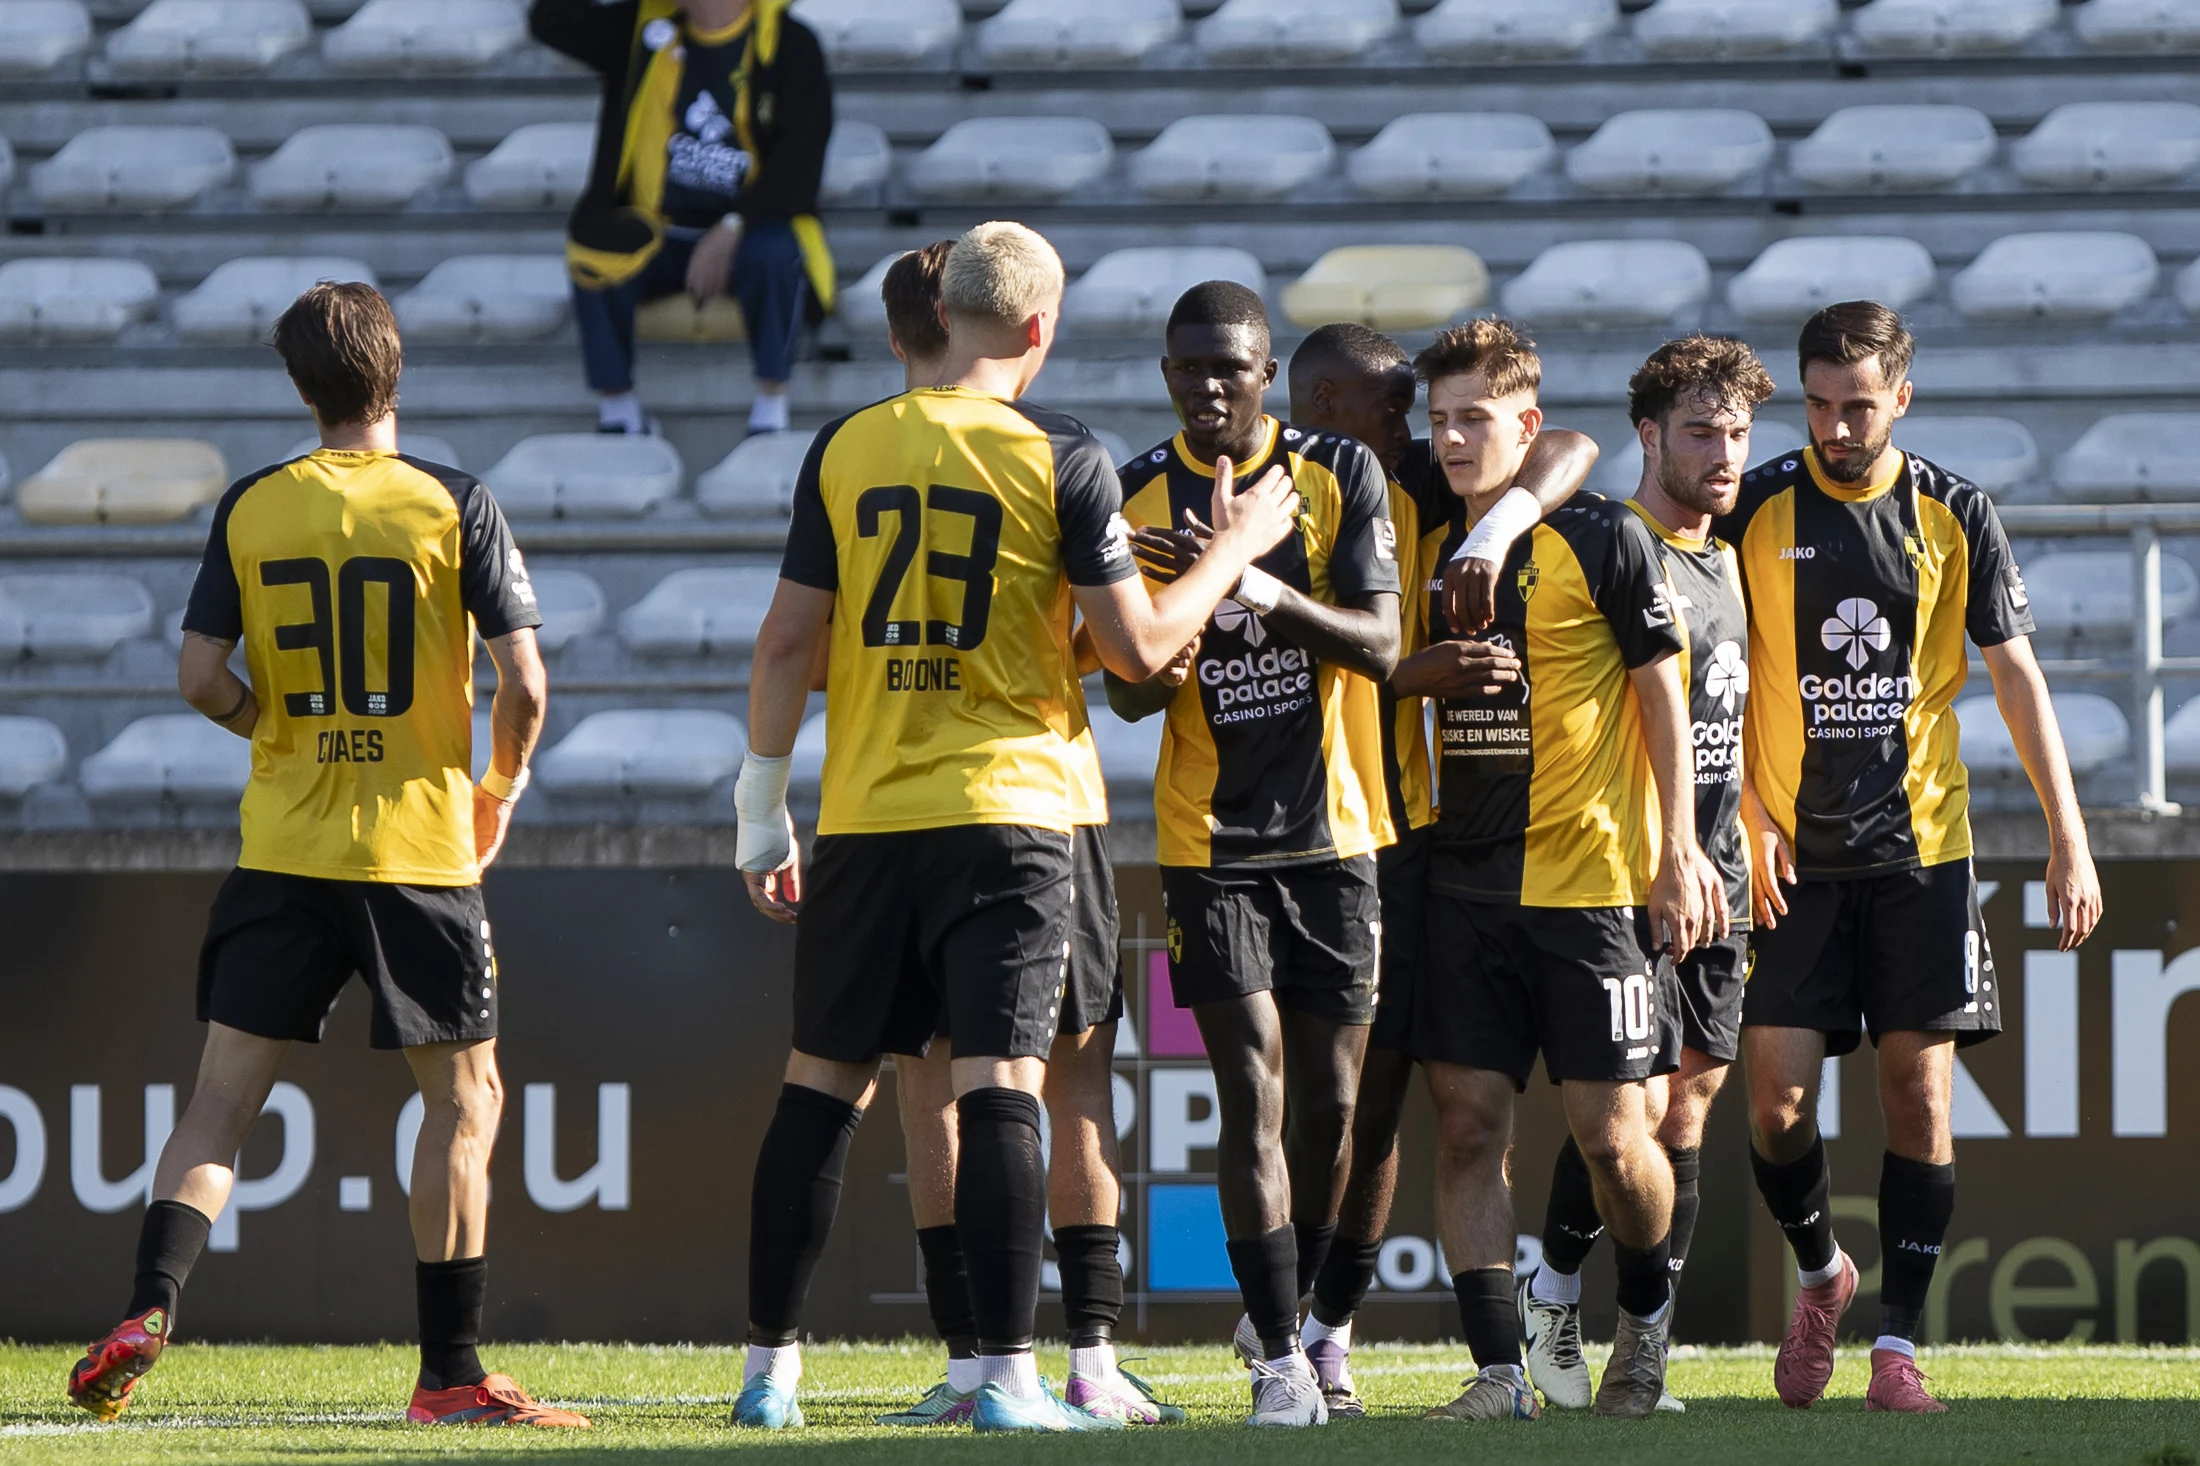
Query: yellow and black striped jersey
x: 1859, y: 601
x: 951, y: 526
x: 1545, y: 794
x: 1704, y: 584
x: 1420, y: 508
x: 356, y: 581
x: 1270, y: 757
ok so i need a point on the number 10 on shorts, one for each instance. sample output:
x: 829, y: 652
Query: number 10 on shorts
x: 1630, y: 1000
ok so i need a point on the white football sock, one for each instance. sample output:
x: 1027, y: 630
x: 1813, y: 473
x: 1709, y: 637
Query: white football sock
x: 768, y: 414
x: 1826, y: 1274
x: 964, y: 1375
x: 1016, y: 1373
x: 783, y: 1364
x: 620, y: 410
x: 1094, y: 1362
x: 1313, y: 1331
x: 1552, y: 1286
x: 1294, y: 1363
x: 1897, y: 1343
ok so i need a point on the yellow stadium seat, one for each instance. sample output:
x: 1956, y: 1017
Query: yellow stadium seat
x: 1390, y: 287
x: 679, y: 318
x: 124, y: 481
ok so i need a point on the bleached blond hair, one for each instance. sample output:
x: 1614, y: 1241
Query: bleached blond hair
x: 1001, y: 275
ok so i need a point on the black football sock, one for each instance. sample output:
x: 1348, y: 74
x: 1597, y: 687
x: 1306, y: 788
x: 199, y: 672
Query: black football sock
x: 1001, y: 1212
x: 1571, y: 1225
x: 791, y: 1207
x: 1489, y: 1317
x: 1267, y: 1269
x: 451, y: 1295
x: 947, y: 1290
x: 1347, y: 1273
x: 1092, y: 1282
x: 1313, y: 1240
x: 1916, y: 1201
x: 1687, y: 1163
x: 1645, y: 1276
x: 1798, y: 1196
x: 170, y: 1239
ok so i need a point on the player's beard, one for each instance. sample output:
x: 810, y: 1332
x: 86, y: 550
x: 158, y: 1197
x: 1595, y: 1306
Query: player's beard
x: 1691, y: 491
x: 1855, y: 467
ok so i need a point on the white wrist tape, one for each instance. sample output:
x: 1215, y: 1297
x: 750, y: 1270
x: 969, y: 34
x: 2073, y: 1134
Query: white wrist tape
x: 1257, y: 591
x: 1513, y: 515
x: 498, y: 787
x: 761, y: 842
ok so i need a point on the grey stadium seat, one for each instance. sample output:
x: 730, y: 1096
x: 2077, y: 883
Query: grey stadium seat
x: 1242, y: 158
x: 75, y: 617
x: 1130, y: 292
x: 2094, y: 731
x: 239, y: 303
x: 1715, y: 29
x: 134, y: 168
x: 858, y: 158
x: 1996, y: 453
x: 1513, y: 30
x: 178, y: 757
x: 571, y: 604
x: 2146, y: 456
x: 1294, y: 32
x: 482, y: 298
x: 1013, y: 159
x: 2085, y: 595
x: 124, y: 481
x: 755, y: 480
x: 862, y: 309
x: 32, y: 752
x: 38, y: 35
x: 394, y: 36
x: 1951, y: 27
x: 585, y: 476
x: 208, y: 37
x: 424, y: 446
x: 73, y: 300
x: 1064, y: 33
x: 1894, y: 146
x: 2181, y: 739
x: 7, y: 163
x: 1591, y: 284
x: 543, y: 165
x: 880, y: 34
x: 2110, y: 145
x: 1451, y: 155
x: 342, y: 165
x: 1677, y: 150
x: 1796, y: 277
x: 807, y: 771
x: 2187, y: 287
x: 2075, y: 275
x: 2139, y: 25
x: 660, y: 753
x: 705, y: 612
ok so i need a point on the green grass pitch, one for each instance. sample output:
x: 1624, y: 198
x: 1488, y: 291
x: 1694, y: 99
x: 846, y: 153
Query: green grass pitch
x: 231, y: 1404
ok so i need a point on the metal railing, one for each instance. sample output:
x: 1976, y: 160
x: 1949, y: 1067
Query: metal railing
x: 2144, y: 525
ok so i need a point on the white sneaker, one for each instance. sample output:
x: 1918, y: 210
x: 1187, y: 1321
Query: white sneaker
x: 1285, y: 1393
x: 1551, y: 1334
x: 1246, y: 1340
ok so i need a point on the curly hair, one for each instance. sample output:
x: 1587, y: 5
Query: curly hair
x: 1493, y: 348
x: 1715, y: 367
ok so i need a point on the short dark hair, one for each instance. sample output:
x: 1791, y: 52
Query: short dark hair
x: 1493, y: 346
x: 1222, y: 303
x: 911, y: 291
x: 339, y: 343
x: 1854, y: 331
x: 1718, y: 367
x: 1348, y: 346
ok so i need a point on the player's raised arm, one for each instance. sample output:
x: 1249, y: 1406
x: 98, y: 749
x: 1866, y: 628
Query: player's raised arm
x: 1556, y: 467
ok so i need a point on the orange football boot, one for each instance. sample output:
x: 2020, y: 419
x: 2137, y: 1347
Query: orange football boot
x: 102, y: 1380
x: 497, y: 1400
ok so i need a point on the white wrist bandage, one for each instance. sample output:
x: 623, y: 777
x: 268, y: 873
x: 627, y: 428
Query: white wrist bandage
x: 1513, y: 515
x: 502, y: 789
x: 1257, y: 591
x: 761, y: 842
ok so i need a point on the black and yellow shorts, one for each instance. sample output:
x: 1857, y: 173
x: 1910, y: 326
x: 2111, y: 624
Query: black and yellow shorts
x: 1311, y: 934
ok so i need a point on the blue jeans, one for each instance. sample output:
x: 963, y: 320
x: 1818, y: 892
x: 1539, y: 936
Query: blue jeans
x: 767, y: 279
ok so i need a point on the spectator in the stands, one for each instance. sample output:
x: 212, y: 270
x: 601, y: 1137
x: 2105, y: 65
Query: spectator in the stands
x: 709, y: 150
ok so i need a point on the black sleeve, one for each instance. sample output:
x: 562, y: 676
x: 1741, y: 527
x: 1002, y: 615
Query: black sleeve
x: 1999, y: 610
x: 492, y: 577
x: 1364, y: 560
x: 1634, y: 597
x: 811, y: 557
x: 1088, y: 509
x: 600, y: 37
x: 216, y: 607
x: 789, y: 175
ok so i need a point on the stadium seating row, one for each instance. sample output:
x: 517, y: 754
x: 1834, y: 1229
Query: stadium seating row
x: 170, y: 38
x: 1670, y: 152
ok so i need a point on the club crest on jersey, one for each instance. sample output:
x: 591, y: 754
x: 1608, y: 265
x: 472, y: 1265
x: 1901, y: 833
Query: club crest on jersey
x: 1913, y: 549
x: 1526, y: 580
x: 1855, y: 631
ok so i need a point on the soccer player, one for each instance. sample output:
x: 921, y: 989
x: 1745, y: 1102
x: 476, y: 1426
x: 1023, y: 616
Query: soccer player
x: 356, y: 579
x: 1269, y: 798
x: 1866, y: 568
x: 1544, y: 915
x: 943, y: 864
x: 1084, y: 1185
x: 1692, y: 403
x: 1350, y: 380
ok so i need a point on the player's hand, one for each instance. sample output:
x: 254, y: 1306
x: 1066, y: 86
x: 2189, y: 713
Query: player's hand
x: 1457, y: 669
x: 1166, y: 554
x: 1179, y: 670
x: 1771, y: 862
x: 778, y: 893
x: 1470, y: 594
x: 1683, y: 897
x: 2073, y: 895
x: 1257, y: 519
x: 492, y: 820
x: 710, y: 267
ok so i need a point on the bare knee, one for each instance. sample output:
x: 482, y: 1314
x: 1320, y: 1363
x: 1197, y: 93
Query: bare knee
x: 1470, y: 1134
